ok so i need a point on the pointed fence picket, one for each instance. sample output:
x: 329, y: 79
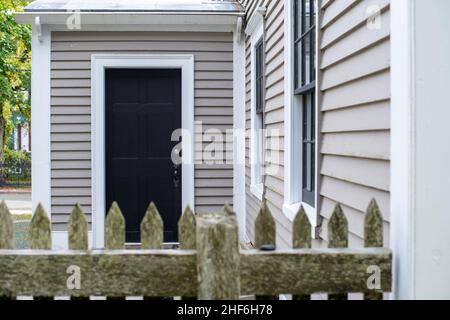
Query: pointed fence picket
x: 265, y: 234
x: 301, y: 235
x: 209, y: 264
x: 338, y: 238
x: 373, y: 237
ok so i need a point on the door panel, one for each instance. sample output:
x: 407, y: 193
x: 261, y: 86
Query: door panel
x: 143, y: 108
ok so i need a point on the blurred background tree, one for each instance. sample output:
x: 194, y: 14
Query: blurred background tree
x: 15, y: 58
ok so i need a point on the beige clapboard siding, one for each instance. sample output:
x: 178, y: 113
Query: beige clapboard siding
x: 274, y: 117
x: 355, y: 113
x: 71, y: 102
x: 359, y: 40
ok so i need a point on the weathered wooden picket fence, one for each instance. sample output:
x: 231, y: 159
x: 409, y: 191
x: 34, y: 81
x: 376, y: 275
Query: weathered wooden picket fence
x: 209, y: 264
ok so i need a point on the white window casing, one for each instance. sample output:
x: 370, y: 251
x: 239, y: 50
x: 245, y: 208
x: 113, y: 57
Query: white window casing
x: 292, y: 127
x: 255, y: 29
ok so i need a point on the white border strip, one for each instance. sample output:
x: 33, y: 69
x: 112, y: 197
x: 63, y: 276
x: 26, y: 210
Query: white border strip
x: 40, y: 116
x: 164, y: 61
x: 239, y: 127
x: 402, y: 148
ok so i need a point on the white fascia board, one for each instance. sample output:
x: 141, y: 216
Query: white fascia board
x: 130, y: 18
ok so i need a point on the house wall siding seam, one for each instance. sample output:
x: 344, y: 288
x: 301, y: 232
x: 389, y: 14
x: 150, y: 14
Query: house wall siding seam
x: 274, y: 117
x: 355, y: 113
x: 71, y: 109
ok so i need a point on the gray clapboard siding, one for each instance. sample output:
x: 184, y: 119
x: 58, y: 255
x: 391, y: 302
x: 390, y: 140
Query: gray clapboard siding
x: 368, y: 117
x: 71, y: 101
x: 274, y: 117
x: 360, y: 39
x: 355, y: 105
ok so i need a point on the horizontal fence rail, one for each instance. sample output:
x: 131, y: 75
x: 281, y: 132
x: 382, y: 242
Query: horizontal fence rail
x: 209, y: 264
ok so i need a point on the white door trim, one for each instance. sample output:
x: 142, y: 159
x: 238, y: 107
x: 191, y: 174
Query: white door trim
x: 99, y: 63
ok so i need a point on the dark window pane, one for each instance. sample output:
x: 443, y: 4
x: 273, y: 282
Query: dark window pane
x: 307, y: 60
x: 306, y: 16
x: 298, y: 65
x: 259, y: 84
x: 312, y: 55
x: 297, y: 19
x: 304, y: 77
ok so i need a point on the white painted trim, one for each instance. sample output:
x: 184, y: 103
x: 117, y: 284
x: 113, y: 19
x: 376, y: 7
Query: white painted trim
x: 402, y: 147
x: 131, y: 18
x: 256, y: 185
x: 165, y: 61
x: 149, y: 27
x: 256, y: 21
x: 292, y: 152
x: 257, y: 190
x: 40, y: 117
x: 291, y: 210
x: 239, y: 128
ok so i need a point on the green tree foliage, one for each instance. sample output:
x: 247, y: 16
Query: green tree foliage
x: 15, y: 57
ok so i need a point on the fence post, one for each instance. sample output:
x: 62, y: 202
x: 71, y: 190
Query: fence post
x: 373, y: 237
x: 218, y: 257
x: 301, y: 239
x: 152, y: 233
x: 338, y: 238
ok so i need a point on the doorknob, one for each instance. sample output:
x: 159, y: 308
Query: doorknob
x: 176, y: 175
x: 176, y: 181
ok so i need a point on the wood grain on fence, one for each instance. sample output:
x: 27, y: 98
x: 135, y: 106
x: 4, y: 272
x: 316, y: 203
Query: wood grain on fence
x: 78, y: 229
x: 115, y: 235
x: 373, y: 237
x: 6, y: 234
x: 40, y: 230
x: 115, y: 228
x: 265, y: 235
x: 152, y: 229
x: 218, y: 257
x: 6, y: 227
x: 41, y: 237
x: 78, y: 234
x: 338, y: 238
x: 187, y: 235
x: 301, y: 239
x: 187, y: 230
x: 209, y: 264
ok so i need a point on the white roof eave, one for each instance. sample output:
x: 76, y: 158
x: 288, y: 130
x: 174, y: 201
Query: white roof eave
x: 132, y: 18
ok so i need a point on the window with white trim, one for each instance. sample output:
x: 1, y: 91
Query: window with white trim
x: 304, y: 90
x: 255, y: 29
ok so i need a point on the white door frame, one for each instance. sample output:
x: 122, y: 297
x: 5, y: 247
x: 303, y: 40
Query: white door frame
x: 99, y: 63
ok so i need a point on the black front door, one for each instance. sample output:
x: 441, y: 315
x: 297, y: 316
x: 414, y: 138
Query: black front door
x: 143, y: 108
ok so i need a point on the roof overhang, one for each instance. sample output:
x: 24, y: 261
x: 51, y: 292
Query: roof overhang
x: 132, y: 18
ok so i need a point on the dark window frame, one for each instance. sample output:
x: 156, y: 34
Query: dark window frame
x: 304, y: 88
x: 259, y: 77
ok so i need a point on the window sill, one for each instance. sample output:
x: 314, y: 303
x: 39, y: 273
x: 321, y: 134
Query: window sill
x: 257, y: 190
x: 291, y: 210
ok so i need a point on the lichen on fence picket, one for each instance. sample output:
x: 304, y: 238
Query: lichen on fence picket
x: 208, y: 265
